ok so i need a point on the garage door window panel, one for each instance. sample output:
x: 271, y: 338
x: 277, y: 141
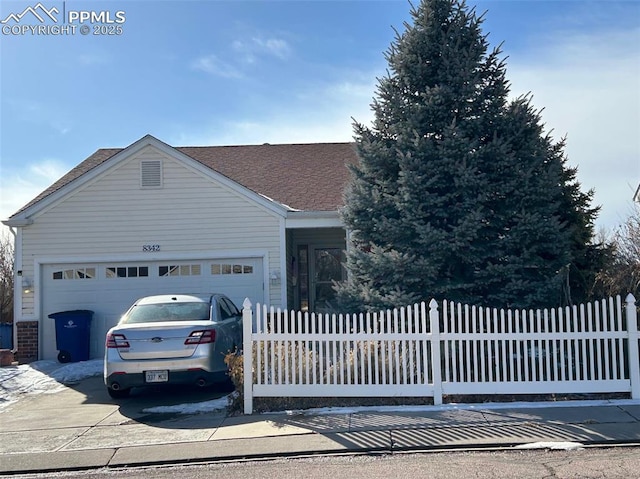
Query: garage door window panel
x: 76, y: 273
x: 227, y: 268
x: 179, y: 270
x: 127, y: 272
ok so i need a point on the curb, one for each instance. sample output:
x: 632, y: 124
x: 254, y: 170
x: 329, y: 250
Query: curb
x: 90, y: 459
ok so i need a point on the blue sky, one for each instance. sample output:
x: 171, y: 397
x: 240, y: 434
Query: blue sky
x: 196, y: 72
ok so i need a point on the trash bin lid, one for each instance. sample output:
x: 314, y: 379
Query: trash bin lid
x: 72, y: 313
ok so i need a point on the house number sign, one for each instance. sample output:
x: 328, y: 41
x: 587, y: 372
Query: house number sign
x: 148, y: 248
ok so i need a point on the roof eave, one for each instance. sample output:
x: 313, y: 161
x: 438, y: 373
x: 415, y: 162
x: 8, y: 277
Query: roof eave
x: 17, y: 222
x: 313, y: 219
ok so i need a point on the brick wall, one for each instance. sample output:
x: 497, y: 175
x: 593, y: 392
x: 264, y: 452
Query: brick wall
x: 27, y: 342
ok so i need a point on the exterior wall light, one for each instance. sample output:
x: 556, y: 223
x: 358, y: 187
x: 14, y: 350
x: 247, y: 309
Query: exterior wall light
x: 27, y: 285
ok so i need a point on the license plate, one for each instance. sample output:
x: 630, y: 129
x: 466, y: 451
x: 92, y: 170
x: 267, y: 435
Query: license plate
x: 156, y: 376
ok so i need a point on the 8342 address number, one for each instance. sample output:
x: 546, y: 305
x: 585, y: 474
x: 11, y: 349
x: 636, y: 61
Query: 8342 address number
x: 149, y: 248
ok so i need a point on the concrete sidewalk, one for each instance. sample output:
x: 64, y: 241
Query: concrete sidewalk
x: 82, y: 428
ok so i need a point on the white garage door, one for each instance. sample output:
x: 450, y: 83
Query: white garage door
x: 109, y: 289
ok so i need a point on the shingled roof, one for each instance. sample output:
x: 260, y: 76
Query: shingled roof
x: 308, y: 177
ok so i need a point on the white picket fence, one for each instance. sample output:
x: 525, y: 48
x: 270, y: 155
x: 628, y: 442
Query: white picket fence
x: 430, y: 351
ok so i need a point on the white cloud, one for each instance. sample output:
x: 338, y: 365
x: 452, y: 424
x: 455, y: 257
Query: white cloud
x: 273, y: 46
x: 258, y: 46
x: 212, y: 65
x: 245, y: 52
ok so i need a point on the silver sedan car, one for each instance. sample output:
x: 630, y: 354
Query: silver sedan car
x: 172, y: 339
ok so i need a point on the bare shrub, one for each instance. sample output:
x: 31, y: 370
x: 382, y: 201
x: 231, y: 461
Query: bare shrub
x: 622, y: 276
x: 315, y: 362
x: 6, y: 279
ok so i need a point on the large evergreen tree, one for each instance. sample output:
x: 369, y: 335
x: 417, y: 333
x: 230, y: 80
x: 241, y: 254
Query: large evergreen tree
x: 458, y: 194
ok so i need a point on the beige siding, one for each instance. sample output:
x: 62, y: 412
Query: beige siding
x: 113, y: 215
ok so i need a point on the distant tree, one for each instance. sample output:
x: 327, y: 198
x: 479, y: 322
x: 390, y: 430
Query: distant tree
x: 6, y: 279
x: 622, y: 274
x: 458, y: 193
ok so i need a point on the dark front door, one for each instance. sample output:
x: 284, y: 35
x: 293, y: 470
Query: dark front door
x: 326, y: 268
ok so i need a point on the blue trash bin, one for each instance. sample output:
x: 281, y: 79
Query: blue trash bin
x: 6, y: 336
x: 73, y: 333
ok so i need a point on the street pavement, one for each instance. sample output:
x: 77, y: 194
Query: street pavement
x: 82, y: 428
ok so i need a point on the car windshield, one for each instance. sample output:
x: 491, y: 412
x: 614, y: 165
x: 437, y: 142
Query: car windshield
x: 151, y: 313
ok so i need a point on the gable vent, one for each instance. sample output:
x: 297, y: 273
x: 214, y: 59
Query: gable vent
x: 151, y: 174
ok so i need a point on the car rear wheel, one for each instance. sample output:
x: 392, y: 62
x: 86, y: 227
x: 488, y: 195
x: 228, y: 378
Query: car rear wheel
x: 118, y: 393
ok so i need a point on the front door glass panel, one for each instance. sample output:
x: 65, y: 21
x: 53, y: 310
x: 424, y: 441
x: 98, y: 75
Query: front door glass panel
x: 328, y: 268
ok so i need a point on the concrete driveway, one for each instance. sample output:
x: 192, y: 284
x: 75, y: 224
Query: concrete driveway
x: 84, y: 416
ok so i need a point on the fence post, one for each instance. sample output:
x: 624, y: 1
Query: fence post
x: 434, y: 320
x: 634, y: 357
x: 247, y: 353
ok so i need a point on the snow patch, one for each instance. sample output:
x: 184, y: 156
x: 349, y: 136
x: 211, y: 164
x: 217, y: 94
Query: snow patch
x: 555, y: 446
x: 214, y: 405
x: 43, y: 377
